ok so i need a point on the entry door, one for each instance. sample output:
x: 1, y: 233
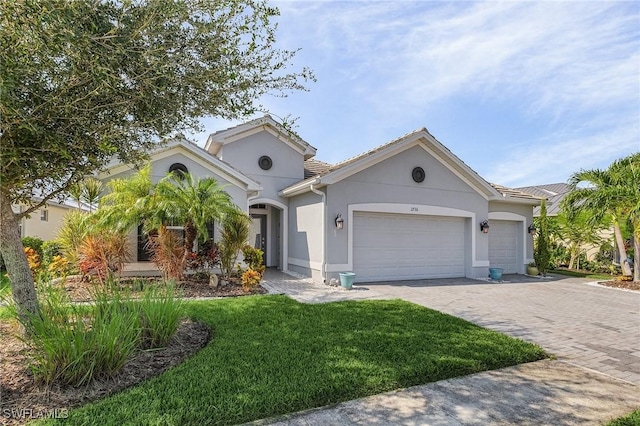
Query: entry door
x: 258, y: 236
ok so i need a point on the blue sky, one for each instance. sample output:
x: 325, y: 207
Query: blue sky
x: 525, y: 93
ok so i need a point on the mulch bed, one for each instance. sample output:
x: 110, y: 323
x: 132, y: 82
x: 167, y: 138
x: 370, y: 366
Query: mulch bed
x: 22, y: 399
x: 80, y: 290
x: 628, y: 285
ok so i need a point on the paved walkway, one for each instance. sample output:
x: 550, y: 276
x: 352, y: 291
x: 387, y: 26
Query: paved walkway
x: 593, y: 331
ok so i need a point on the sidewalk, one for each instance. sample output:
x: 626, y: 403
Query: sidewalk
x: 539, y: 393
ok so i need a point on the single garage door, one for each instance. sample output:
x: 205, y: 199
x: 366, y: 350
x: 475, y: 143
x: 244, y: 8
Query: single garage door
x: 405, y: 247
x: 503, y: 245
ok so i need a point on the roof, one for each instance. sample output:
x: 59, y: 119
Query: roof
x: 515, y: 193
x: 554, y: 194
x: 314, y: 167
x: 422, y: 137
x: 217, y: 140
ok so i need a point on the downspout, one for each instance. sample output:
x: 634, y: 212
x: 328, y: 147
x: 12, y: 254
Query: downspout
x: 324, y: 229
x: 254, y: 197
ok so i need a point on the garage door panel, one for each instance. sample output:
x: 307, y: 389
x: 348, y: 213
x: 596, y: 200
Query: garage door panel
x: 392, y: 247
x: 503, y: 245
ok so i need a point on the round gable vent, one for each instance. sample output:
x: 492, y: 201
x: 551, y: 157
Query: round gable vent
x: 418, y: 174
x: 178, y: 169
x: 265, y: 162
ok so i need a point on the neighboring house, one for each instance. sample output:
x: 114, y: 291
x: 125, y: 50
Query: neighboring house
x: 555, y: 193
x: 46, y: 221
x: 408, y: 209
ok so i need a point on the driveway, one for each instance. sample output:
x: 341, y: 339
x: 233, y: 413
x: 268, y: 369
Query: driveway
x: 587, y: 325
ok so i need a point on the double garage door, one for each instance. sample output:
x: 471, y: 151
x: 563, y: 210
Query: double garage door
x: 406, y: 247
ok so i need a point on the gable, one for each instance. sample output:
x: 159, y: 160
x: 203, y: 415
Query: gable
x: 197, y: 161
x: 245, y: 155
x: 397, y: 169
x: 218, y: 140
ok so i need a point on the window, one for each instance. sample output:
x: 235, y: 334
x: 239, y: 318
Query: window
x: 44, y: 215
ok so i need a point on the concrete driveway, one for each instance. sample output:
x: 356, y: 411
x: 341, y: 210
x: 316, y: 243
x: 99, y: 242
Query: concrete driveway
x: 588, y: 325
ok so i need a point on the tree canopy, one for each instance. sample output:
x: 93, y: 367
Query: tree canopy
x: 83, y: 81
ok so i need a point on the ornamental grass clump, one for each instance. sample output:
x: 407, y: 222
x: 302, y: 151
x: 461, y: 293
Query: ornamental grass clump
x: 74, y: 344
x: 159, y: 314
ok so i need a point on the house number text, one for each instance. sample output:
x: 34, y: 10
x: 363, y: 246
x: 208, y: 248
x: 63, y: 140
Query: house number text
x: 414, y: 209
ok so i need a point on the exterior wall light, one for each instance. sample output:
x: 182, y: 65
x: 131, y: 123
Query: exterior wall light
x: 532, y: 229
x: 484, y: 226
x: 339, y: 221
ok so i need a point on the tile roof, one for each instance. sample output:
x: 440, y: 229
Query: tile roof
x: 314, y: 167
x: 514, y: 192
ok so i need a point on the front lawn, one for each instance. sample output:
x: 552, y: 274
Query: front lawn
x: 582, y: 274
x: 271, y: 355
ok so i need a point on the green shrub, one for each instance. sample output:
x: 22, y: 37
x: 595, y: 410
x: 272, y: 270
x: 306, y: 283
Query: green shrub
x: 50, y: 249
x: 253, y: 258
x: 35, y: 243
x: 159, y: 316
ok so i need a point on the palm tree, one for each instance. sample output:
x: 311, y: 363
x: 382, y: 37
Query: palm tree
x: 129, y: 201
x: 192, y: 202
x: 91, y: 191
x: 614, y: 192
x: 576, y: 232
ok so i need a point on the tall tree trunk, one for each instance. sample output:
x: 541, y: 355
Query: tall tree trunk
x: 20, y: 277
x: 624, y: 262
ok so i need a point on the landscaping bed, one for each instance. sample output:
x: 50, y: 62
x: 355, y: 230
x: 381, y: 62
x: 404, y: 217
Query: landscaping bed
x: 22, y: 399
x: 271, y: 355
x: 80, y: 290
x: 627, y: 285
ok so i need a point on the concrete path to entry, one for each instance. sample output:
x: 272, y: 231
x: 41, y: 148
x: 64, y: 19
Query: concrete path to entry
x: 593, y: 331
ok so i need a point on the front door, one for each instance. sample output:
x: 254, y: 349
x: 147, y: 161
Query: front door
x: 258, y: 236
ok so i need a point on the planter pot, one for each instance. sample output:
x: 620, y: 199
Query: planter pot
x: 495, y: 273
x: 532, y: 270
x: 346, y: 279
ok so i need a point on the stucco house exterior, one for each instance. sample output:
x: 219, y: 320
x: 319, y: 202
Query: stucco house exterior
x: 408, y: 209
x: 45, y: 222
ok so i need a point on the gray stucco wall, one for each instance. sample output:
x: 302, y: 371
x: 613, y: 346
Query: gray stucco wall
x: 390, y: 181
x: 305, y: 233
x: 287, y: 169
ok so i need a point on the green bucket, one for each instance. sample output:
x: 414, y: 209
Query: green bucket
x: 495, y: 273
x: 346, y: 279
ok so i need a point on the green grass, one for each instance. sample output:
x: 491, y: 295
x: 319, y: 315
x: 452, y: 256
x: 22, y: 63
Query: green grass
x: 632, y: 419
x: 579, y: 274
x: 270, y: 355
x: 5, y: 287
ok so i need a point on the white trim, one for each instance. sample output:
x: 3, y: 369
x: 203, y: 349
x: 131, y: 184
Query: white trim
x: 323, y: 272
x: 409, y: 209
x: 305, y: 263
x: 284, y: 225
x: 513, y: 217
